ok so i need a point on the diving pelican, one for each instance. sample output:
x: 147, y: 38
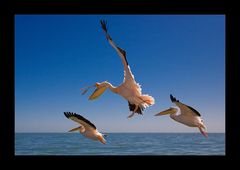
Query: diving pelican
x: 188, y: 115
x: 129, y: 89
x: 88, y: 129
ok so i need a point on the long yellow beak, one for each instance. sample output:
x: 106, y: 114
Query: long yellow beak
x: 98, y: 92
x: 168, y: 111
x: 74, y: 129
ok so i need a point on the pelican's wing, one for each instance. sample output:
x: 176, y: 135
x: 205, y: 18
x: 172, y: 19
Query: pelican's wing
x: 128, y: 76
x: 185, y: 109
x: 80, y: 119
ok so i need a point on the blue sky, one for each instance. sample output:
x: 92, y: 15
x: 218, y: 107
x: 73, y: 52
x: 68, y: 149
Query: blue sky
x: 56, y: 55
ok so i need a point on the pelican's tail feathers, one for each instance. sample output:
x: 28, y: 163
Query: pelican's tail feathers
x: 149, y: 100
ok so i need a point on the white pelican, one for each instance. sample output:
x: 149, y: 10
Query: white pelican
x: 88, y: 129
x: 129, y: 89
x: 188, y: 115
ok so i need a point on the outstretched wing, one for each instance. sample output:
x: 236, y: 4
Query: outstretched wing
x: 128, y: 76
x: 185, y: 109
x: 80, y: 119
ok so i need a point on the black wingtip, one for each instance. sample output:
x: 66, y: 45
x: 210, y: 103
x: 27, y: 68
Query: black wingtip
x: 173, y: 99
x: 104, y: 25
x: 71, y: 114
x: 68, y: 114
x: 132, y: 107
x: 194, y: 110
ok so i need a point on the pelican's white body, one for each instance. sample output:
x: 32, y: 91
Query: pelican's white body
x: 189, y: 120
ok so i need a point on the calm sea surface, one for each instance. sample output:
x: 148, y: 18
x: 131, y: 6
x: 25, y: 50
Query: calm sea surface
x: 120, y: 144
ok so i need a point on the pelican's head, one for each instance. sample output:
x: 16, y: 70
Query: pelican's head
x: 100, y: 88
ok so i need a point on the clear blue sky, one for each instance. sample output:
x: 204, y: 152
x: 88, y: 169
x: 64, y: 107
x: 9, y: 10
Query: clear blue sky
x: 56, y: 55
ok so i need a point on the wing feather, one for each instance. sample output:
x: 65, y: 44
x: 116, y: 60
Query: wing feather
x: 128, y: 76
x: 185, y: 109
x: 80, y: 119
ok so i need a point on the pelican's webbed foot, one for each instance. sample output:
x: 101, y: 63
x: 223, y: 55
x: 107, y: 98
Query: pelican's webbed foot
x: 131, y: 115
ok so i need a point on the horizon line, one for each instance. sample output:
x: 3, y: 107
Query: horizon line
x: 121, y: 132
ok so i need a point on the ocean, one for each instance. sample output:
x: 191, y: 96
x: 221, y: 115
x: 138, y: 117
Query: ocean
x: 120, y: 144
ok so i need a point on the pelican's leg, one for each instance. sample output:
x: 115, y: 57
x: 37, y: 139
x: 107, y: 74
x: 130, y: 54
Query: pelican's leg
x: 203, y: 132
x: 131, y: 115
x: 136, y: 107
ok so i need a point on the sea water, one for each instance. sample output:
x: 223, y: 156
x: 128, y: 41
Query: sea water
x: 120, y: 144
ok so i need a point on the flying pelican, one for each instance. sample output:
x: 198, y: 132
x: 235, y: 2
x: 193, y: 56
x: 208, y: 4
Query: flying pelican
x: 88, y: 129
x: 188, y: 115
x: 129, y: 89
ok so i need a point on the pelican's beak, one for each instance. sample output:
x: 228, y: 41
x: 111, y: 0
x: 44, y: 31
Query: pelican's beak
x: 168, y: 111
x: 74, y: 129
x: 98, y: 91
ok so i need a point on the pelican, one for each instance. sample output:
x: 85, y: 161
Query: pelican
x: 188, y: 115
x: 87, y: 128
x: 129, y: 89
